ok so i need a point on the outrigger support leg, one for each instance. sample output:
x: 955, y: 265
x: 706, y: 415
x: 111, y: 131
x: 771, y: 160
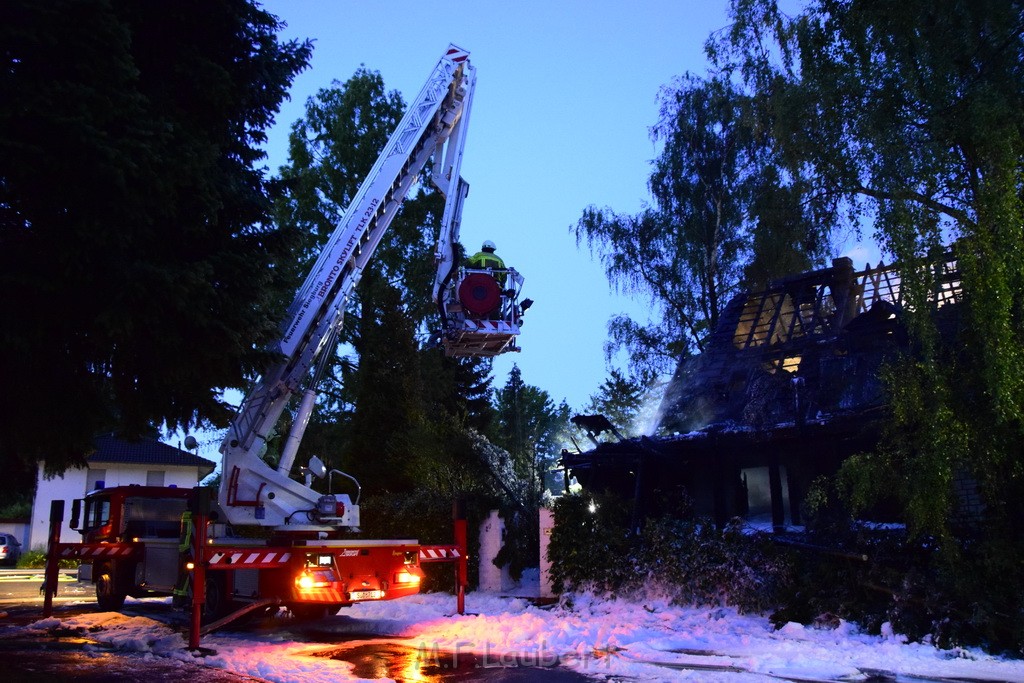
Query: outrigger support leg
x: 52, y: 559
x: 462, y: 564
x: 199, y: 516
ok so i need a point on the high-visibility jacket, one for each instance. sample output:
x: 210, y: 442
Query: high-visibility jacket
x: 488, y: 260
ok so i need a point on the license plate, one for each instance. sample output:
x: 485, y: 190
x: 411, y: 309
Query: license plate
x: 366, y: 595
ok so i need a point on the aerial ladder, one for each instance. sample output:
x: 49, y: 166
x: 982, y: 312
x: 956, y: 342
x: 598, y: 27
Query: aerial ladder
x: 479, y: 319
x: 308, y: 562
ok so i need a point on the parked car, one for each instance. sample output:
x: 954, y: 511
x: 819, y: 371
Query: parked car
x: 10, y: 550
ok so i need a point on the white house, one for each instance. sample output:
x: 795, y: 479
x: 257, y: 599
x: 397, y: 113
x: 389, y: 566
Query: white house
x: 115, y: 462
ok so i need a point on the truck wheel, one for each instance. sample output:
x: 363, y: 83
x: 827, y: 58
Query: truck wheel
x: 108, y: 596
x: 308, y: 612
x: 217, y: 603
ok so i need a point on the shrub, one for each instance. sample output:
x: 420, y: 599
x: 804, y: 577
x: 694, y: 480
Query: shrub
x: 689, y: 561
x: 966, y: 592
x: 701, y: 564
x: 36, y: 559
x: 591, y: 544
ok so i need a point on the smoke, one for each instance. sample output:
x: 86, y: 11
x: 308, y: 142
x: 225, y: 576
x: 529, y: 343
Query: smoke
x: 648, y: 417
x: 685, y: 404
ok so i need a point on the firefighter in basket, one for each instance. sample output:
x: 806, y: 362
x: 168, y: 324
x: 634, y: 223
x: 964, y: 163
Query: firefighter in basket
x: 481, y: 293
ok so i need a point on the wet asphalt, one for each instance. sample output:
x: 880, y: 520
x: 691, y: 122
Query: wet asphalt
x: 73, y: 657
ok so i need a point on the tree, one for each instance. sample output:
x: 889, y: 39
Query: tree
x: 531, y: 428
x: 460, y: 387
x: 622, y: 400
x: 387, y: 428
x: 718, y: 187
x: 912, y: 114
x: 137, y: 259
x: 372, y: 404
x: 394, y: 412
x: 331, y: 150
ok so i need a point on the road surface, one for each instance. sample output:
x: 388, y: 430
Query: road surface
x: 24, y: 586
x: 67, y: 657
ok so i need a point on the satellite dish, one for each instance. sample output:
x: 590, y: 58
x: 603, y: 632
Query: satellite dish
x: 317, y: 467
x: 191, y: 443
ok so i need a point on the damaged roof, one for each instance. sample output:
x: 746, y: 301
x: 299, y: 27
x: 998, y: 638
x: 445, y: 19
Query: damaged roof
x: 794, y: 368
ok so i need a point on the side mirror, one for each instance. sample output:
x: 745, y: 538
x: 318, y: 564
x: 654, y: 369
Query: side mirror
x: 76, y: 512
x: 317, y: 467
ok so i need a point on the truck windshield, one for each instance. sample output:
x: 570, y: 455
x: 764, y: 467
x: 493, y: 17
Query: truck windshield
x: 97, y: 513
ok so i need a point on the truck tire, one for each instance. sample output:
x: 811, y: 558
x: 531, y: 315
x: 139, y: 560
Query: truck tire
x: 218, y: 604
x: 109, y: 597
x: 308, y: 612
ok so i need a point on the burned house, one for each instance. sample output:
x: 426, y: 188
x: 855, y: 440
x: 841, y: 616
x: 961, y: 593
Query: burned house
x: 788, y: 387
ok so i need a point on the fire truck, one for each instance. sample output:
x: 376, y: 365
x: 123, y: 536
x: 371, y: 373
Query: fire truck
x: 156, y: 541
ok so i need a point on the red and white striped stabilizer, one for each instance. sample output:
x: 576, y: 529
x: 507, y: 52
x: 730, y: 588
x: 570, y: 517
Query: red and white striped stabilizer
x: 486, y: 326
x: 95, y: 550
x: 439, y: 553
x: 248, y: 559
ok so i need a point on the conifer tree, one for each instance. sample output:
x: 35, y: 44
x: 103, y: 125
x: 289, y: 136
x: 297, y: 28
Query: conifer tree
x: 138, y: 261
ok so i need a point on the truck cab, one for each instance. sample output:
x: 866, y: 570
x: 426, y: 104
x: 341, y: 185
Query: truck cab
x: 136, y: 531
x: 120, y: 513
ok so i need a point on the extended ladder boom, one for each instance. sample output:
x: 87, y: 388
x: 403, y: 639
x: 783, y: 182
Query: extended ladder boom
x: 251, y: 492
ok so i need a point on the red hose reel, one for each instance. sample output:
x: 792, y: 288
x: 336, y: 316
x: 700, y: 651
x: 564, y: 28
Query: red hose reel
x: 479, y: 293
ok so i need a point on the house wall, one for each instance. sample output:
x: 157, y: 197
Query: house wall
x: 67, y: 487
x: 73, y: 485
x: 17, y: 529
